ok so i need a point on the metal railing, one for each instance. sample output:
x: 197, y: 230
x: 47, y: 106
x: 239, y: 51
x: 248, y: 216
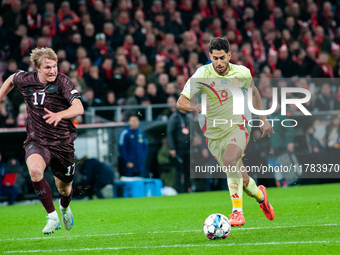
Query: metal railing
x: 90, y: 113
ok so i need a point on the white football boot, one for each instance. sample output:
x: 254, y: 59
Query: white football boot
x: 52, y: 224
x: 67, y: 217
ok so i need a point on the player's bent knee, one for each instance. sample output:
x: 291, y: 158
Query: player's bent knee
x: 36, y: 173
x: 229, y: 162
x: 65, y: 191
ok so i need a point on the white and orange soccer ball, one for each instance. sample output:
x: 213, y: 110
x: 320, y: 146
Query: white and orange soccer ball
x: 216, y: 226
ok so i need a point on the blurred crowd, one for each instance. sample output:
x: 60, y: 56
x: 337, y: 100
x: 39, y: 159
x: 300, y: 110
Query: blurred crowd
x: 133, y: 52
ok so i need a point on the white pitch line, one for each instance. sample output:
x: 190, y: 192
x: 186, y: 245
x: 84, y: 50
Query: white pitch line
x: 158, y: 232
x: 173, y: 246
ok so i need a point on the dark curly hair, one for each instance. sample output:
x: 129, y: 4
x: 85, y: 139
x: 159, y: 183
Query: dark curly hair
x: 219, y: 44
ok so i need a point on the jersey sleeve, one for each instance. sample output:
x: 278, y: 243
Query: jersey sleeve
x: 247, y: 78
x: 19, y: 78
x: 69, y: 89
x: 192, y: 88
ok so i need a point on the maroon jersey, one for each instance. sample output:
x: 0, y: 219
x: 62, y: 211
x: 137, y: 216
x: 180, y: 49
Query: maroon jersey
x: 55, y: 97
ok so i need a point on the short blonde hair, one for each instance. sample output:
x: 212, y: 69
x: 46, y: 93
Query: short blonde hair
x: 38, y: 54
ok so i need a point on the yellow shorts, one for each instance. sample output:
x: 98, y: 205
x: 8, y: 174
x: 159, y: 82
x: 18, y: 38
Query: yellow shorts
x: 238, y: 136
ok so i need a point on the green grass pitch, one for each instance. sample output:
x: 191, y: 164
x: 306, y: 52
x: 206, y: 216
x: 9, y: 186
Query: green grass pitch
x: 306, y: 222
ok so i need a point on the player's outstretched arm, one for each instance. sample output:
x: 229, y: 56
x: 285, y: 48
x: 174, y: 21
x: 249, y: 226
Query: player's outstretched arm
x: 6, y: 87
x: 74, y: 110
x: 266, y: 128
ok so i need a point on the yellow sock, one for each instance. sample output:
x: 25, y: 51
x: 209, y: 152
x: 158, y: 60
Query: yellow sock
x: 235, y: 184
x: 253, y: 191
x: 258, y: 195
x: 237, y: 202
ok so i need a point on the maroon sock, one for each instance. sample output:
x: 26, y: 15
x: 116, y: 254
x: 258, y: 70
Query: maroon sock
x: 65, y: 200
x: 43, y: 190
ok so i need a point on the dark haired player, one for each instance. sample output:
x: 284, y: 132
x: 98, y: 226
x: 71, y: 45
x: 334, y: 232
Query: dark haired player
x: 51, y: 100
x: 227, y: 143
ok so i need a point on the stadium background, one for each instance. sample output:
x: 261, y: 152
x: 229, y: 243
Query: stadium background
x: 142, y: 52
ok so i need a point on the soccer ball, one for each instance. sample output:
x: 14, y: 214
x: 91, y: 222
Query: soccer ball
x: 216, y: 226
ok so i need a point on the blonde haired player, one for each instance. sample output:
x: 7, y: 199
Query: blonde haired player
x: 52, y: 100
x: 227, y: 143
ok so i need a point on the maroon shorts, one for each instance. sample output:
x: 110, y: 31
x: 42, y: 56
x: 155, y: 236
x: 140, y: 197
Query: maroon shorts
x: 62, y: 163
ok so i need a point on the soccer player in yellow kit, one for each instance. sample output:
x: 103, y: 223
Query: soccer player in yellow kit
x: 227, y: 142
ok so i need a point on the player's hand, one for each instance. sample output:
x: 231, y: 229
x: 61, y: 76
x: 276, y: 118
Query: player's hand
x: 266, y: 129
x: 198, y: 108
x: 173, y: 153
x: 129, y: 165
x: 52, y: 117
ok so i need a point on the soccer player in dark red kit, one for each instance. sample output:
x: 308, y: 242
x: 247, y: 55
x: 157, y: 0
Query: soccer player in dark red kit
x: 52, y: 100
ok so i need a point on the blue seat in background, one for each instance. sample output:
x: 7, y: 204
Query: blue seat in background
x: 137, y: 188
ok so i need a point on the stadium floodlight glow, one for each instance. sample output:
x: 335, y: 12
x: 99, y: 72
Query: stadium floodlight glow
x: 238, y: 102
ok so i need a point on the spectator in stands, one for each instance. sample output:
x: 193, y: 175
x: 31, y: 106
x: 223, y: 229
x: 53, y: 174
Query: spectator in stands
x: 337, y: 98
x: 332, y: 140
x: 171, y: 46
x: 71, y: 48
x: 21, y: 119
x: 133, y: 72
x: 100, y: 48
x: 175, y: 25
x: 293, y: 27
x: 140, y: 81
x: 172, y: 74
x: 322, y: 41
x: 155, y: 97
x: 163, y: 80
x: 282, y: 140
x: 135, y: 54
x: 85, y: 67
x: 300, y: 63
x: 256, y: 153
x: 247, y: 60
x: 284, y: 63
x: 65, y: 9
x: 88, y: 38
x: 193, y: 64
x: 122, y: 21
x: 112, y: 34
x: 258, y: 47
x: 133, y: 148
x: 322, y: 69
x: 106, y: 70
x: 138, y: 99
x: 167, y: 165
x: 97, y: 15
x: 172, y: 91
x: 325, y: 101
x: 94, y: 81
x: 178, y: 137
x: 96, y: 175
x: 144, y: 67
x: 149, y: 48
x: 64, y: 67
x: 159, y: 68
x: 6, y: 115
x: 89, y: 100
x: 110, y: 100
x: 24, y: 48
x: 310, y: 144
x: 180, y: 81
x: 12, y: 14
x: 5, y: 190
x: 66, y: 27
x: 335, y: 56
